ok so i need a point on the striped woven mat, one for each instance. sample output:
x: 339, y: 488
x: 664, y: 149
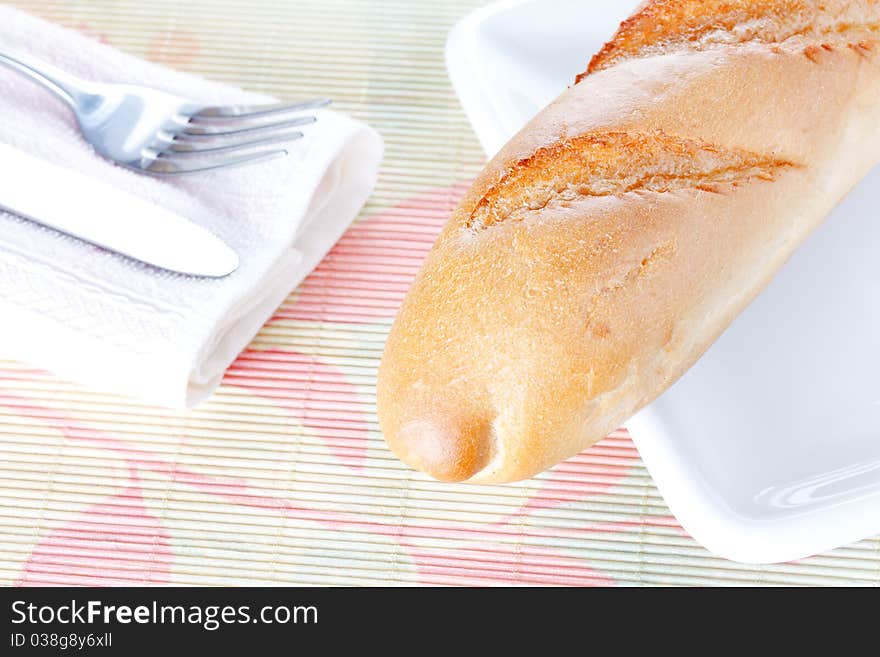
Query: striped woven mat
x: 283, y: 477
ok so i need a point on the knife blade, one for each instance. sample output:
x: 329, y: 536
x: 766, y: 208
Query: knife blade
x: 98, y: 213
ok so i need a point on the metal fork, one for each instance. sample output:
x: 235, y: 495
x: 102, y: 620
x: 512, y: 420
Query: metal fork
x: 159, y: 133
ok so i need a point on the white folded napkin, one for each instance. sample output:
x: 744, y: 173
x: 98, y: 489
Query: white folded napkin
x: 113, y: 324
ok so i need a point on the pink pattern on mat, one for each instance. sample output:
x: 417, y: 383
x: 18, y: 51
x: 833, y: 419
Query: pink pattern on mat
x: 362, y: 281
x: 593, y: 472
x: 78, y: 539
x: 367, y: 274
x: 113, y: 543
x: 310, y: 390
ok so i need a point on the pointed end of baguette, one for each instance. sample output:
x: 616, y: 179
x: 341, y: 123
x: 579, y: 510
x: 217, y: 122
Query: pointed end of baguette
x: 450, y: 450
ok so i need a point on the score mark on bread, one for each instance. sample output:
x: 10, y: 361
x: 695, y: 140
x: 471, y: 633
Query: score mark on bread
x: 666, y: 26
x: 613, y: 163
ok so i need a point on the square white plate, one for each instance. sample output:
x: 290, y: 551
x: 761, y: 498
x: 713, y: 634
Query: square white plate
x: 768, y: 449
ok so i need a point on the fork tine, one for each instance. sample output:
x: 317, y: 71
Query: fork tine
x: 166, y: 166
x: 253, y: 111
x: 199, y: 131
x: 197, y: 147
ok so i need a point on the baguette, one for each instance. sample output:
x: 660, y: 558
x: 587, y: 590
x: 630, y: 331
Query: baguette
x: 615, y: 238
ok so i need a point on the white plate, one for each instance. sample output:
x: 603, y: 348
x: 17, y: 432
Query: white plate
x: 768, y: 449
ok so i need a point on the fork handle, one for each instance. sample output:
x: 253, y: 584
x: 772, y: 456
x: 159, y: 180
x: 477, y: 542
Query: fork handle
x: 71, y: 89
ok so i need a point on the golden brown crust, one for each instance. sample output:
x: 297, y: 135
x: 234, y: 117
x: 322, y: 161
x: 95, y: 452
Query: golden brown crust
x: 666, y: 25
x: 612, y: 241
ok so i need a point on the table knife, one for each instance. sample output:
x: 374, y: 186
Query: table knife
x: 98, y: 213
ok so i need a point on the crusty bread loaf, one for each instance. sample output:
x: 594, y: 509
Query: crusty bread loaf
x: 604, y: 249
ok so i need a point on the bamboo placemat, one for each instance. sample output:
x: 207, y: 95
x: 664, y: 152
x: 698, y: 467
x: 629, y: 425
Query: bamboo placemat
x: 283, y: 477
